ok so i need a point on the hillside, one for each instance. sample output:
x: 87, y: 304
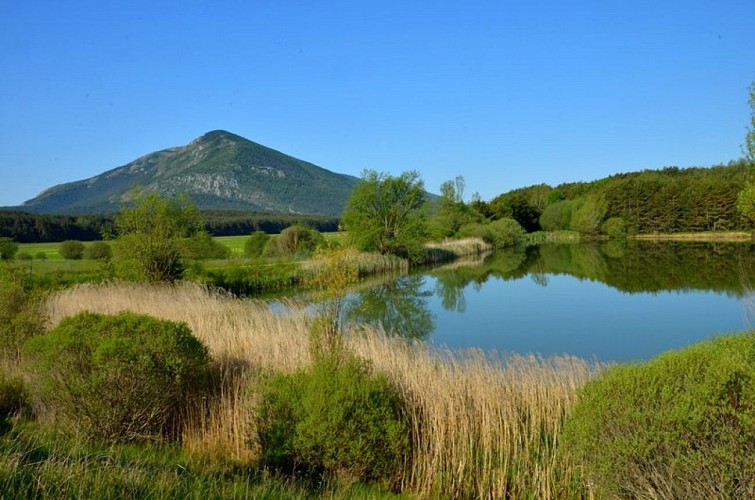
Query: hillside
x: 219, y: 170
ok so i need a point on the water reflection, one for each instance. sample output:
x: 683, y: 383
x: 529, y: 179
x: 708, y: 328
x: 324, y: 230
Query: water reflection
x: 400, y: 305
x: 403, y: 306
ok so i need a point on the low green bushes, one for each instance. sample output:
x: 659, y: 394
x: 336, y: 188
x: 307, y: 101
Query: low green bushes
x: 118, y: 378
x: 21, y: 315
x: 71, y: 249
x: 336, y: 419
x: 681, y: 425
x: 98, y: 250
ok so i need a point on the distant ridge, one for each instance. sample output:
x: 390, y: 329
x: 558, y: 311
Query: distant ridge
x: 219, y: 170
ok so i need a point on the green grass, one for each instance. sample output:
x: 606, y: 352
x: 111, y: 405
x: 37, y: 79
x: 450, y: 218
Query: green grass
x: 235, y: 243
x: 40, y: 463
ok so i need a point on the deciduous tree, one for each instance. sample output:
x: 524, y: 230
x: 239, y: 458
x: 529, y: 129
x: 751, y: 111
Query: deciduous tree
x: 387, y: 214
x: 148, y: 234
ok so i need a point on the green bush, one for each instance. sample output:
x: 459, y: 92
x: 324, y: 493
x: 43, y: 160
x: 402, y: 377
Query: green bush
x: 506, y: 233
x: 118, y: 378
x: 24, y: 256
x: 255, y: 244
x: 8, y: 248
x: 98, y: 250
x: 21, y: 314
x: 679, y: 426
x: 335, y: 419
x: 615, y: 227
x: 41, y: 255
x: 298, y: 239
x: 202, y: 246
x: 71, y: 249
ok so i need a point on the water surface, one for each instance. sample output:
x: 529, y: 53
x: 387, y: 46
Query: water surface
x: 608, y: 301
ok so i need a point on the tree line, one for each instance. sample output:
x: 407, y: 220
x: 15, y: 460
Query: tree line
x: 25, y: 227
x: 651, y: 201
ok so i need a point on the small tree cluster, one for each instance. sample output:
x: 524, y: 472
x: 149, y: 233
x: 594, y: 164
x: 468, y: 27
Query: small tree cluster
x: 149, y: 234
x: 387, y: 214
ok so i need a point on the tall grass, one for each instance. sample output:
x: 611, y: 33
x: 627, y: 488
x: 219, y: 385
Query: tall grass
x: 450, y: 250
x: 484, y: 425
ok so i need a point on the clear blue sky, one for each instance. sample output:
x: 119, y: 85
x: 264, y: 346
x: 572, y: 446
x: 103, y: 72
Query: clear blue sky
x: 505, y: 93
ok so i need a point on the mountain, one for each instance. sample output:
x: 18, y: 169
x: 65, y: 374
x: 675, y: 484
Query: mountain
x: 219, y: 170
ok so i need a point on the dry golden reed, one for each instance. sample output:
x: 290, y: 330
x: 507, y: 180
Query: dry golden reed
x: 485, y: 425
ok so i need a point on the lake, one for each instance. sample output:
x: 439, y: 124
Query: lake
x: 610, y: 301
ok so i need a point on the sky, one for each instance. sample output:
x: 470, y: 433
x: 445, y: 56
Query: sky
x: 505, y: 93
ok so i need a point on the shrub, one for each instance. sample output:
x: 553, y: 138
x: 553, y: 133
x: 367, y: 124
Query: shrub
x: 71, y: 249
x: 477, y: 230
x: 298, y: 239
x: 615, y: 227
x: 21, y: 314
x: 681, y: 425
x: 202, y: 246
x: 41, y: 255
x: 506, y: 233
x: 98, y: 250
x: 119, y: 378
x: 8, y: 248
x: 255, y: 244
x: 24, y: 256
x: 335, y: 419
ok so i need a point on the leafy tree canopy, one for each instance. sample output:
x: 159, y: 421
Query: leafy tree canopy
x: 387, y: 214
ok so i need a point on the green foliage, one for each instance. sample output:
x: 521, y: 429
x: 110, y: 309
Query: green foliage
x: 615, y: 227
x: 119, y: 378
x: 202, y: 246
x: 588, y: 218
x: 21, y: 313
x: 524, y: 205
x: 558, y: 215
x: 337, y: 272
x: 71, y: 249
x: 387, y: 214
x: 452, y: 212
x: 681, y: 425
x: 298, y: 239
x: 98, y: 250
x: 24, y: 256
x: 255, y: 244
x: 749, y: 145
x: 8, y: 248
x: 256, y: 278
x: 41, y: 256
x: 149, y: 232
x: 746, y: 203
x: 337, y: 420
x: 506, y: 233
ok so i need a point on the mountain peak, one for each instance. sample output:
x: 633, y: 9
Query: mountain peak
x: 219, y: 170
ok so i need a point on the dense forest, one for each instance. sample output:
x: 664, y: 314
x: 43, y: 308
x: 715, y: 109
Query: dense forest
x: 25, y: 227
x: 651, y: 201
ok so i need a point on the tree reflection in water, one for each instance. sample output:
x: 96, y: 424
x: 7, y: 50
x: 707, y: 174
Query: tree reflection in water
x: 401, y: 306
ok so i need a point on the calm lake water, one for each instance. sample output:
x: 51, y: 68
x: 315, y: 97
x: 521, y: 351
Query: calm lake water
x: 607, y: 301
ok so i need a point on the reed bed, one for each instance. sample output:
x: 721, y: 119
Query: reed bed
x: 449, y: 250
x: 485, y: 425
